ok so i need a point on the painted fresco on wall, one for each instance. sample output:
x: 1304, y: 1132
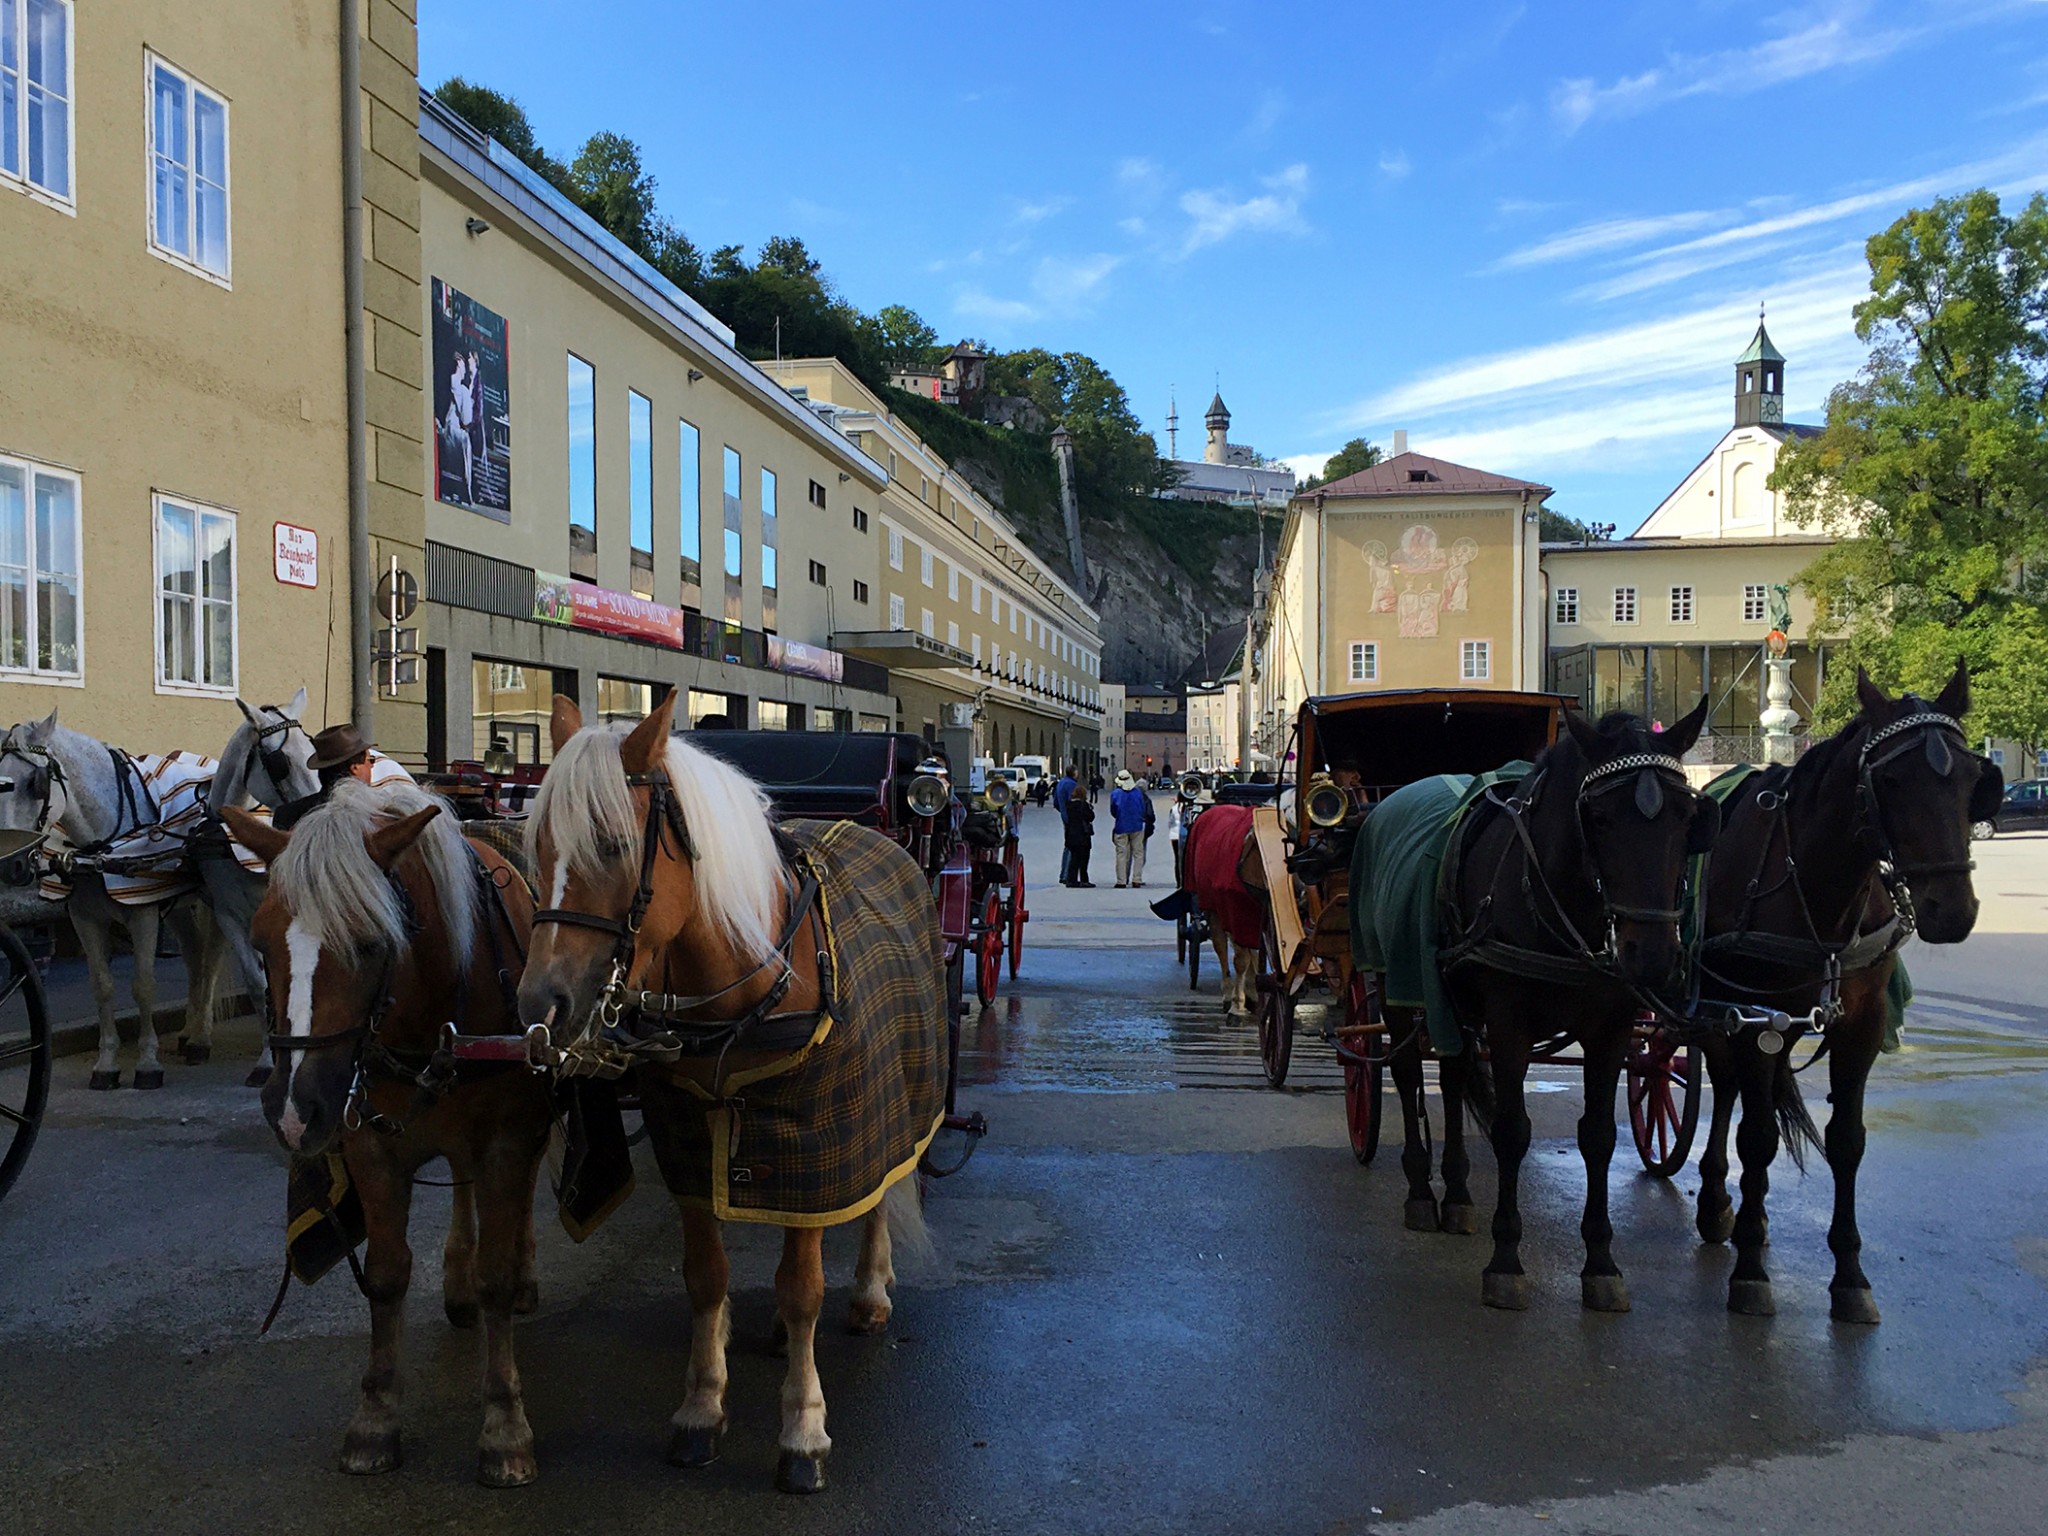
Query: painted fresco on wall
x: 1420, y: 580
x: 472, y: 405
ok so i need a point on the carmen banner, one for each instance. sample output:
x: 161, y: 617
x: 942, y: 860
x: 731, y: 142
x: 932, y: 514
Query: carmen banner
x: 472, y: 405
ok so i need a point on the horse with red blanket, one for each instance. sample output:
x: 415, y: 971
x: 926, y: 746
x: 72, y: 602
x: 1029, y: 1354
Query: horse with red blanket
x: 1218, y: 852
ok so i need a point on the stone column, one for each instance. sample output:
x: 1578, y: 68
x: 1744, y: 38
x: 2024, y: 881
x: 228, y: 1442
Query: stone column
x: 1778, y: 718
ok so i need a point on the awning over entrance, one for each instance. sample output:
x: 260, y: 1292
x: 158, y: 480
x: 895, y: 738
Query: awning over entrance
x: 900, y: 648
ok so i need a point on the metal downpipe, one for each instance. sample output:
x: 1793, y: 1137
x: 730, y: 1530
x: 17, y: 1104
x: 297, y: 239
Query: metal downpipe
x: 361, y: 580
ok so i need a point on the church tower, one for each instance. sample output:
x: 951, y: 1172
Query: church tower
x: 1217, y: 420
x: 1760, y: 382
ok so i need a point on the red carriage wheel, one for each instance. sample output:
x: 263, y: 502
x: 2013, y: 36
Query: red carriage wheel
x: 988, y: 950
x: 1663, y: 1101
x: 1360, y: 1055
x: 1018, y: 915
x: 1276, y: 1014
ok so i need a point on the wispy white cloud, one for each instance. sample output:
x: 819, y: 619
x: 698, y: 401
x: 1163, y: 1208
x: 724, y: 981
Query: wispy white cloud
x: 1038, y: 212
x: 1835, y: 40
x: 1059, y: 285
x: 1395, y: 164
x: 1611, y: 234
x: 1217, y: 216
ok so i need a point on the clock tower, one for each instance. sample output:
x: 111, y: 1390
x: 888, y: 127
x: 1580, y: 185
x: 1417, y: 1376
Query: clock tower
x: 1760, y: 382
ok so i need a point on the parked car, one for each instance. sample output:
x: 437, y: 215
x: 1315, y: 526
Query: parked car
x: 2025, y: 809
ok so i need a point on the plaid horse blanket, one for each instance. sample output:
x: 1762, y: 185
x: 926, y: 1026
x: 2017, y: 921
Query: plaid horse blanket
x: 815, y: 1137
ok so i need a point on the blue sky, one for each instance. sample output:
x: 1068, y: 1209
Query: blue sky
x: 1533, y: 235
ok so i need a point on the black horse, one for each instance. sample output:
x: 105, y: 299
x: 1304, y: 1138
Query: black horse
x: 1560, y: 913
x: 1823, y: 871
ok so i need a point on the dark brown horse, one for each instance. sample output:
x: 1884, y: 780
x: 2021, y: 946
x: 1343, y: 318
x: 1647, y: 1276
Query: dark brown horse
x: 1823, y: 871
x: 381, y: 927
x: 1561, y: 917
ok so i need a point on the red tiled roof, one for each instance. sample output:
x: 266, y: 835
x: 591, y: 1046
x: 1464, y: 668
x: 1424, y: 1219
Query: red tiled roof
x: 1415, y: 474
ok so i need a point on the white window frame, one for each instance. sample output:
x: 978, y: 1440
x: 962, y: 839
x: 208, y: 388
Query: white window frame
x: 151, y: 63
x: 1684, y: 604
x: 1365, y: 661
x: 952, y: 583
x: 203, y: 510
x: 1566, y: 608
x: 1756, y: 603
x: 30, y: 469
x: 924, y: 566
x: 953, y: 634
x: 973, y: 595
x: 896, y: 610
x: 977, y: 649
x: 895, y: 549
x: 1479, y: 652
x: 929, y: 624
x: 63, y: 202
x: 1628, y: 602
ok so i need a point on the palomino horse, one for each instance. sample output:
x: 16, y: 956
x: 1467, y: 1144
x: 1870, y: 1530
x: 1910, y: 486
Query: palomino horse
x: 1825, y: 868
x: 379, y: 922
x: 1219, y: 863
x: 92, y: 800
x: 664, y: 872
x: 1561, y: 912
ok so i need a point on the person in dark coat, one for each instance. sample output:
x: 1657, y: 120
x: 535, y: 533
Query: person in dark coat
x: 1080, y: 837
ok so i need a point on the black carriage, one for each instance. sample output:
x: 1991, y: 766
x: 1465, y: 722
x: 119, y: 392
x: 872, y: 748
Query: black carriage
x: 25, y: 1064
x: 996, y: 908
x: 1348, y: 752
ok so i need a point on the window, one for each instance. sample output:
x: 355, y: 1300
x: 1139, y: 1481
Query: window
x: 690, y: 510
x: 773, y: 715
x: 640, y: 490
x: 39, y: 558
x: 1838, y: 609
x: 817, y: 494
x: 895, y: 550
x: 509, y: 707
x: 621, y: 698
x: 188, y: 162
x: 771, y: 550
x: 895, y: 610
x: 1013, y: 618
x: 1567, y: 608
x: 953, y: 634
x: 1755, y: 607
x: 860, y: 521
x: 974, y: 595
x: 1624, y: 605
x: 925, y: 567
x: 195, y: 569
x: 35, y: 94
x: 817, y: 574
x: 860, y: 591
x: 924, y: 490
x: 977, y: 650
x: 582, y: 469
x: 929, y: 632
x: 1475, y: 660
x: 952, y: 583
x: 1365, y: 661
x: 732, y: 535
x: 510, y: 677
x: 1681, y: 605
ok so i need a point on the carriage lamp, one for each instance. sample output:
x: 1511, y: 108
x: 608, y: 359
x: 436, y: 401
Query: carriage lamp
x: 1327, y: 803
x: 998, y: 793
x: 928, y: 794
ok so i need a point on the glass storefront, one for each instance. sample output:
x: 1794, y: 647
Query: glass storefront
x: 1666, y: 681
x: 774, y: 715
x: 703, y: 704
x: 620, y: 698
x: 510, y: 705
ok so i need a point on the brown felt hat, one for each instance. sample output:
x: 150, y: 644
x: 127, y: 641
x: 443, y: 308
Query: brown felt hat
x: 336, y: 745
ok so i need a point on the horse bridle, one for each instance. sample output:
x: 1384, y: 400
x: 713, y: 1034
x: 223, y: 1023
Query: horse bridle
x: 1870, y: 809
x: 1649, y: 794
x: 45, y: 772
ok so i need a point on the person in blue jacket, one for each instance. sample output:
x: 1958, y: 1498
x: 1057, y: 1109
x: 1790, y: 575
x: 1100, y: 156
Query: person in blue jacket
x: 1131, y: 823
x: 1062, y: 793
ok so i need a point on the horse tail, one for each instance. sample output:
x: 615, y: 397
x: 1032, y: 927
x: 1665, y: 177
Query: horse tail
x: 1480, y: 1099
x: 1795, y: 1126
x: 903, y: 1209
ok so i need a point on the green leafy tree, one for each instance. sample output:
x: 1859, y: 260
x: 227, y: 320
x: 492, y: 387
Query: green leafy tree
x: 615, y: 188
x: 899, y: 337
x: 1932, y: 468
x: 1556, y: 528
x: 502, y: 118
x: 1349, y: 460
x: 1114, y: 456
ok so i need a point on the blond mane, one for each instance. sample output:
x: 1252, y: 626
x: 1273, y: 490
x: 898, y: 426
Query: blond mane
x: 334, y: 887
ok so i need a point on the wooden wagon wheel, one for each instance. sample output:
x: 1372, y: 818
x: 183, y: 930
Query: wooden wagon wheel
x: 988, y: 949
x: 1276, y: 1012
x: 1362, y: 1057
x: 24, y: 1056
x: 1019, y: 915
x: 1663, y: 1100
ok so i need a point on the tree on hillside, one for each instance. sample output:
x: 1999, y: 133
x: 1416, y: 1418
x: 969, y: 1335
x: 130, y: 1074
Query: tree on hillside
x: 502, y: 118
x: 1556, y: 528
x: 1114, y: 456
x: 1932, y: 468
x: 1349, y: 460
x: 899, y: 337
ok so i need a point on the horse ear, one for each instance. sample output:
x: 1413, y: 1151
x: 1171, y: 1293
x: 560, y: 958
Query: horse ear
x: 564, y: 721
x: 248, y: 714
x: 255, y: 834
x: 1874, y: 699
x: 296, y: 710
x: 1681, y: 738
x: 40, y: 731
x: 1582, y: 732
x: 391, y: 840
x: 1955, y: 698
x: 644, y: 748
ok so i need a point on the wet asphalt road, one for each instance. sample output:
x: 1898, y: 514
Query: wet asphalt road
x: 1165, y: 1298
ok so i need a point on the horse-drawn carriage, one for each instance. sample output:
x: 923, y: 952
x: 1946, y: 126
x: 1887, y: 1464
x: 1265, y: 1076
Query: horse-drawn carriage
x: 1350, y: 752
x: 24, y: 1030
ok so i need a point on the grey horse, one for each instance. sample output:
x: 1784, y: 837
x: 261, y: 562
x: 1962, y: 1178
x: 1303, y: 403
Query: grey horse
x: 57, y: 780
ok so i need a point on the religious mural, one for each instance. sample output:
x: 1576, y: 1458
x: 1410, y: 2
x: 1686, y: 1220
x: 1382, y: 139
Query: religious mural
x: 1420, y: 579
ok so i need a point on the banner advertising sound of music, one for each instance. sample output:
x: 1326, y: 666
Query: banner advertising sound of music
x: 472, y: 405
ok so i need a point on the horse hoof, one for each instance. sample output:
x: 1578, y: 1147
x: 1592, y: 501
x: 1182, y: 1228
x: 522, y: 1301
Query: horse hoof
x: 154, y: 1078
x: 196, y: 1053
x: 1510, y: 1293
x: 526, y: 1298
x: 1717, y: 1226
x: 1603, y: 1293
x: 867, y: 1322
x: 506, y: 1469
x: 462, y: 1314
x: 1751, y: 1298
x: 257, y: 1077
x: 1419, y: 1215
x: 104, y: 1080
x: 1459, y: 1220
x: 797, y: 1473
x: 695, y: 1446
x: 1852, y: 1304
x: 366, y: 1455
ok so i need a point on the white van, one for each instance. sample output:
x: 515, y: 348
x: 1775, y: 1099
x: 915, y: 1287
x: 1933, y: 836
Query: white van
x: 1035, y: 768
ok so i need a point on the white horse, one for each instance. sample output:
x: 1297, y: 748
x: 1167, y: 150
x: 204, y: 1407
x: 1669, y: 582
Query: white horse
x: 263, y: 764
x: 86, y: 796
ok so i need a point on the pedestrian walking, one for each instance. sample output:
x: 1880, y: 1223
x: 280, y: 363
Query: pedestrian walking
x: 1062, y: 796
x: 1131, y: 822
x: 1080, y: 820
